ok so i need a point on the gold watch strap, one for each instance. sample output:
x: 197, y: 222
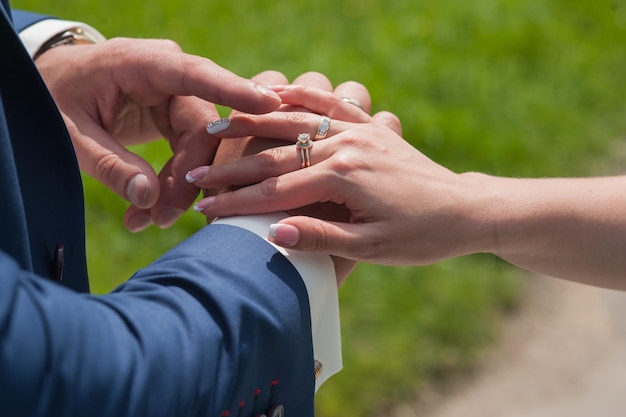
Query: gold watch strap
x: 73, y: 36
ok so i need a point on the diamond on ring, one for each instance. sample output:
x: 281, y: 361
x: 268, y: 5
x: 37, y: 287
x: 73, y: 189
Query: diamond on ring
x: 304, y: 145
x: 322, y: 130
x: 304, y: 141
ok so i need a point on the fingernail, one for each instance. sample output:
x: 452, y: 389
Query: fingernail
x: 266, y: 91
x: 138, y: 222
x: 167, y: 217
x: 196, y: 174
x: 203, y: 204
x: 277, y: 88
x: 137, y: 190
x: 284, y: 234
x: 217, y: 126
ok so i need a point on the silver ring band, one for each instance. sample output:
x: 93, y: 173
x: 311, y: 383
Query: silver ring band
x: 322, y: 130
x: 353, y: 101
x: 303, y: 145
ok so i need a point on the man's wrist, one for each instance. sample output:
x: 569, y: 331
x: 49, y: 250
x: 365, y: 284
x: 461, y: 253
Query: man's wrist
x: 72, y: 36
x: 39, y: 36
x: 318, y: 273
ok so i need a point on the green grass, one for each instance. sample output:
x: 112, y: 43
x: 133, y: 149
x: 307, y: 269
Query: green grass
x: 510, y: 87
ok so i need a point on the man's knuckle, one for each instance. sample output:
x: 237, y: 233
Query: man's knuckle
x: 171, y: 45
x: 105, y: 167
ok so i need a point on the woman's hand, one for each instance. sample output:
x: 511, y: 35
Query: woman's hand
x: 406, y: 209
x: 325, y: 100
x: 402, y: 207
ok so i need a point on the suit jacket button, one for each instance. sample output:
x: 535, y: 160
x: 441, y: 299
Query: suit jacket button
x: 56, y: 263
x: 276, y: 411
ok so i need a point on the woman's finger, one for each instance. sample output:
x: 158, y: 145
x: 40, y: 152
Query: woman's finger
x: 289, y: 191
x: 257, y: 166
x: 277, y: 125
x: 351, y: 241
x: 244, y: 144
x: 233, y: 149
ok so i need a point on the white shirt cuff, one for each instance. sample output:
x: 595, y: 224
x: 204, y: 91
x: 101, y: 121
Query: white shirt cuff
x: 318, y: 273
x: 34, y: 36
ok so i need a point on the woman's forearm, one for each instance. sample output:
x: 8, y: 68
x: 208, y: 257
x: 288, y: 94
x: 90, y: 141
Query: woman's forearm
x: 569, y: 228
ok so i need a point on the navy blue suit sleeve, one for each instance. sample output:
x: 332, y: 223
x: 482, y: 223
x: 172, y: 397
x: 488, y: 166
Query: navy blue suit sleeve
x: 22, y: 19
x: 220, y: 325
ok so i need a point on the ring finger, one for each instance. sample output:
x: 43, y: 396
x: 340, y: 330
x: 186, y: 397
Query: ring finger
x: 252, y: 169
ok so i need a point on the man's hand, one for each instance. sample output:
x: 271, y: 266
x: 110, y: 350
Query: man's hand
x: 129, y: 91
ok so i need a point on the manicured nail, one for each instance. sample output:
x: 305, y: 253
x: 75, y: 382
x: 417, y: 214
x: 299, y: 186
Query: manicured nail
x: 196, y: 174
x: 266, y: 91
x: 284, y: 234
x: 138, y: 222
x: 137, y: 190
x: 217, y: 126
x: 203, y: 204
x: 167, y: 217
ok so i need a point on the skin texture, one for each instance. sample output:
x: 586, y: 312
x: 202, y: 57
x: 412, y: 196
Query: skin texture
x: 405, y: 209
x: 129, y: 91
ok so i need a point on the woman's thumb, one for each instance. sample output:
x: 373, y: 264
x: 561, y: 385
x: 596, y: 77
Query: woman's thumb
x: 314, y: 235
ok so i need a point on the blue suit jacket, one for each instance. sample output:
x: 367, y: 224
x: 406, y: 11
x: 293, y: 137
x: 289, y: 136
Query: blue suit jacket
x: 218, y: 326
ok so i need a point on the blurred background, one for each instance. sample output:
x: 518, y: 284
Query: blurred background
x: 508, y: 87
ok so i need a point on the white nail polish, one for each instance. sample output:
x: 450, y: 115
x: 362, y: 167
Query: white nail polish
x: 196, y: 174
x: 217, y: 126
x: 203, y: 204
x: 273, y: 229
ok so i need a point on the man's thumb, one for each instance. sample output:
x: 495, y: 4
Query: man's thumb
x: 137, y: 190
x: 124, y: 172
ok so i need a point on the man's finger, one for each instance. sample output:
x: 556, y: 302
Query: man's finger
x: 162, y: 67
x: 321, y: 102
x: 191, y: 148
x: 389, y: 120
x: 124, y: 172
x: 352, y: 90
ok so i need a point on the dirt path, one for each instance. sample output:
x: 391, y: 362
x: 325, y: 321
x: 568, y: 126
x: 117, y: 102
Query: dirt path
x: 564, y: 355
